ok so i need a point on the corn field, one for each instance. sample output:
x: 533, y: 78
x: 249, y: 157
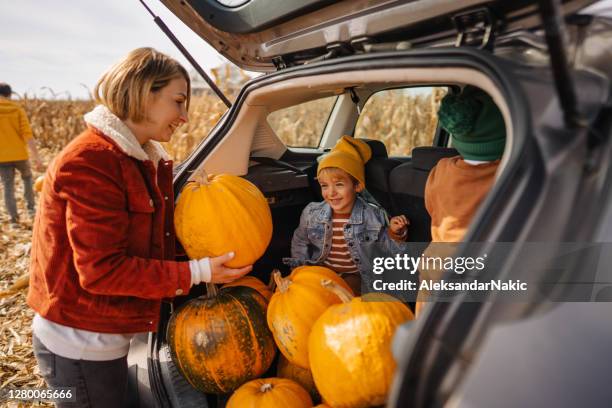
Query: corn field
x: 400, y: 119
x: 55, y: 123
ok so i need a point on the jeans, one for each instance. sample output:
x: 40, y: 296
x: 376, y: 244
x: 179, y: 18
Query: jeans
x: 7, y: 173
x: 99, y: 384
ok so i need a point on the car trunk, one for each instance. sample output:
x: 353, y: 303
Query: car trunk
x: 291, y: 190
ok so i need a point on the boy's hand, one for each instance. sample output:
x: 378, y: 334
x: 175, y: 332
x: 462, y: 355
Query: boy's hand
x: 399, y: 225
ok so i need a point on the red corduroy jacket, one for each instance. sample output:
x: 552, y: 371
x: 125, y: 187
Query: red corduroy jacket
x: 103, y: 244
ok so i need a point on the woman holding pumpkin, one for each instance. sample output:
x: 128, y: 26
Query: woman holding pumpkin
x: 103, y: 243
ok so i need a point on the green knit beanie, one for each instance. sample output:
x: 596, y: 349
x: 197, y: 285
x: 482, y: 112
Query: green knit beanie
x: 475, y: 124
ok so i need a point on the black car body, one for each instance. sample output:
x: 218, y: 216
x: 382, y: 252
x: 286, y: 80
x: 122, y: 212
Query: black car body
x: 553, y: 187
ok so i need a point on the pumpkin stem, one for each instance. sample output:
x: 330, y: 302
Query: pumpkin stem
x: 281, y: 283
x: 344, y: 295
x: 266, y: 387
x: 201, y: 177
x: 272, y: 282
x: 211, y: 290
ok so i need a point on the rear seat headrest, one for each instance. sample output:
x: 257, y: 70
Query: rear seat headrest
x: 426, y: 157
x: 378, y: 148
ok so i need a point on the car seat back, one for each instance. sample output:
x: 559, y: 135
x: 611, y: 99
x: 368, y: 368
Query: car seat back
x: 377, y: 171
x: 407, y: 185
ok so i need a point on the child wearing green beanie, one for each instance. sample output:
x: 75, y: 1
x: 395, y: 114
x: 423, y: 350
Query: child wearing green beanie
x: 332, y: 233
x: 456, y: 186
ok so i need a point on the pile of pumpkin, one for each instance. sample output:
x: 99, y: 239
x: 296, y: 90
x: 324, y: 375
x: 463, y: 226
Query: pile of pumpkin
x: 334, y: 347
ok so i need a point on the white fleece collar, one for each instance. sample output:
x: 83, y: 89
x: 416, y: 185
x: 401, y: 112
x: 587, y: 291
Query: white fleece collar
x: 108, y: 123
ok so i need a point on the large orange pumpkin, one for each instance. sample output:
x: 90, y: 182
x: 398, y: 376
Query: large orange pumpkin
x: 350, y: 348
x: 298, y: 302
x: 220, y: 341
x: 300, y: 375
x: 223, y: 213
x: 252, y: 282
x: 270, y: 393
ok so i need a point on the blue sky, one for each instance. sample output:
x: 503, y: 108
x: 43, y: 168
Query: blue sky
x: 61, y: 44
x: 66, y: 45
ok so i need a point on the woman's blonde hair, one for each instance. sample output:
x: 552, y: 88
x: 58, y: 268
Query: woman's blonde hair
x: 125, y: 87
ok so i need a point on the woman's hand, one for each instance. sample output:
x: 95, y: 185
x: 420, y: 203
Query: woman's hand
x: 221, y: 273
x: 399, y: 225
x: 213, y: 270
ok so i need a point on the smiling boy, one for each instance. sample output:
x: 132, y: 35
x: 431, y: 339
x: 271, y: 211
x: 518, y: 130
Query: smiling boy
x: 333, y: 233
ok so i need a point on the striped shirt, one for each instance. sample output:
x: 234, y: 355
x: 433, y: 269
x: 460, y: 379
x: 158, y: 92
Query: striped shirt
x: 339, y: 258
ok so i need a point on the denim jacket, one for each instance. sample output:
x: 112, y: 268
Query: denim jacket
x: 366, y: 229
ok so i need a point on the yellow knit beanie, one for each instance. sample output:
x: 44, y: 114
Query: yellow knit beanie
x: 350, y: 155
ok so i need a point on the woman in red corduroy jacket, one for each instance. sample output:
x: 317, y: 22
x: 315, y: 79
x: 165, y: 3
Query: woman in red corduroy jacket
x: 103, y: 245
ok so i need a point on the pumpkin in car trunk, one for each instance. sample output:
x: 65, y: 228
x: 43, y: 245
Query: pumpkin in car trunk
x: 217, y: 214
x: 252, y: 282
x: 300, y: 375
x: 220, y: 341
x: 350, y: 348
x: 298, y: 302
x: 270, y: 393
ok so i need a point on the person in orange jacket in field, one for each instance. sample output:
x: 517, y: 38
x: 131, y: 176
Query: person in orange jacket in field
x: 15, y: 139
